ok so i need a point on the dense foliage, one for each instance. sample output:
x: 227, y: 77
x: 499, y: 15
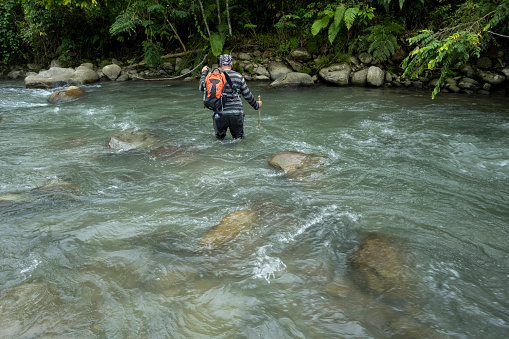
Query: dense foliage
x: 439, y: 34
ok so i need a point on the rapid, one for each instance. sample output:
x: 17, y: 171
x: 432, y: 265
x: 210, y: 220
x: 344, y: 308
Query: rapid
x: 102, y: 244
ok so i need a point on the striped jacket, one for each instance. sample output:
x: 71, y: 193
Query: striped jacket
x: 234, y: 103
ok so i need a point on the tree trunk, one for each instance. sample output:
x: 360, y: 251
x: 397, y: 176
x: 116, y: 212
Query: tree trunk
x: 204, y: 18
x: 228, y: 17
x: 218, y: 12
x: 173, y: 28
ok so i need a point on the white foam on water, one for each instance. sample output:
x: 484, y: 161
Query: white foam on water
x: 318, y: 218
x: 34, y: 261
x: 267, y: 266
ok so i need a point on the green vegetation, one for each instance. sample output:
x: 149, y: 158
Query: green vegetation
x: 439, y: 35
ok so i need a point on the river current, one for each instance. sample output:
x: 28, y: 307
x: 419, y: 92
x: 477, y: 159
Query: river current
x: 102, y: 244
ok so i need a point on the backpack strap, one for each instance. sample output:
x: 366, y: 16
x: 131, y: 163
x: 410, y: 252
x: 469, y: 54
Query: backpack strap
x: 229, y: 80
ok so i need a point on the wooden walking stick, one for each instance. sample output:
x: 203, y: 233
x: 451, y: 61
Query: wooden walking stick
x: 259, y: 113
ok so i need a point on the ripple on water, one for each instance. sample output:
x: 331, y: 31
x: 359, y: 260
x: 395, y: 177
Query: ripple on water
x: 121, y: 253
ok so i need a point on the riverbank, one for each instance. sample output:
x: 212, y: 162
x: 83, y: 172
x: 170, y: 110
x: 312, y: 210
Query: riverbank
x: 486, y: 75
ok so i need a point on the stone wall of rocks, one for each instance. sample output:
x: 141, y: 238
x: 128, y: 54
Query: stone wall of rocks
x: 301, y: 68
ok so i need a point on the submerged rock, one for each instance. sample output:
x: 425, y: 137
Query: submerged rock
x: 383, y: 268
x: 173, y: 279
x: 230, y: 226
x: 131, y: 139
x: 69, y: 94
x: 52, y: 188
x: 168, y: 151
x: 295, y: 163
x: 12, y: 198
x: 56, y: 185
x: 29, y: 310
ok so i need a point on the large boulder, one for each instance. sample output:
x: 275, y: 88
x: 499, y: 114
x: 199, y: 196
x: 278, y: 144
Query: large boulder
x: 57, y: 76
x: 338, y: 74
x: 69, y: 94
x: 230, y: 226
x: 54, y: 77
x: 13, y: 75
x: 132, y: 139
x: 376, y: 76
x: 278, y: 69
x: 469, y: 84
x: 382, y: 267
x: 302, y: 55
x: 84, y: 74
x: 112, y: 71
x: 359, y: 78
x: 293, y: 79
x: 491, y: 77
x: 295, y: 163
x: 505, y: 71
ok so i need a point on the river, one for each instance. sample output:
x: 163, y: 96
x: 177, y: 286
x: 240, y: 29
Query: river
x: 98, y: 244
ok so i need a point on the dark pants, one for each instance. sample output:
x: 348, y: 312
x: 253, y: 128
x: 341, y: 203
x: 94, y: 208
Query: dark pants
x: 233, y: 121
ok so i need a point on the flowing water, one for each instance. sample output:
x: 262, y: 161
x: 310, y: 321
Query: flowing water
x: 102, y: 244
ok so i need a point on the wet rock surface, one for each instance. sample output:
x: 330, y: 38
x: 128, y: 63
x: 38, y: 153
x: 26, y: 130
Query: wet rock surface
x: 132, y: 139
x: 71, y: 93
x: 229, y: 227
x: 296, y: 163
x: 382, y: 267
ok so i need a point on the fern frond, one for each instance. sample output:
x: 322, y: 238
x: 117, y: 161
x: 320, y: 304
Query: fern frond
x: 339, y: 14
x: 125, y: 22
x: 333, y: 31
x: 350, y: 15
x: 319, y: 24
x: 155, y: 8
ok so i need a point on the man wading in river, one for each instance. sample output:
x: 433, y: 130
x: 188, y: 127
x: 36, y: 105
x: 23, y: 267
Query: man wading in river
x: 232, y: 114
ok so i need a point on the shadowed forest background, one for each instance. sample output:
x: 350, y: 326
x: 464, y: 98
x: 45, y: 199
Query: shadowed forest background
x: 438, y: 35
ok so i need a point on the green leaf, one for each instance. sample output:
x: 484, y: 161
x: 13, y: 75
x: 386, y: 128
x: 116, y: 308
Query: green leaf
x: 333, y: 32
x: 350, y: 15
x: 340, y: 13
x: 216, y: 43
x: 155, y: 8
x: 319, y: 24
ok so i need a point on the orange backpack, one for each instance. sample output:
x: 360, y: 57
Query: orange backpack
x: 213, y: 97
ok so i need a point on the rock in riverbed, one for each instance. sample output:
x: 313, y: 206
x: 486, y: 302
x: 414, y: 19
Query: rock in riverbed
x: 231, y: 225
x: 383, y: 268
x: 295, y: 163
x: 29, y: 310
x: 69, y: 94
x: 132, y: 139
